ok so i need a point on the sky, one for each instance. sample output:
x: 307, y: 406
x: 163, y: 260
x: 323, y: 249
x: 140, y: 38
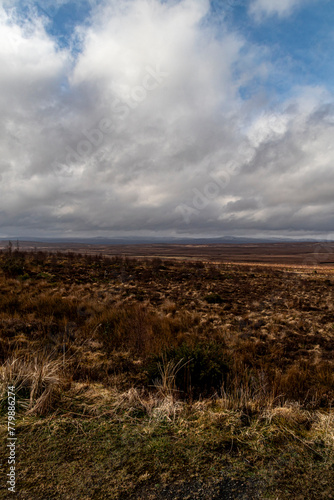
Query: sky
x: 166, y: 118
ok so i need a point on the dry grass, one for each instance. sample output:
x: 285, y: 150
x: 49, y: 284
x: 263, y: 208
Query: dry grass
x: 168, y: 370
x: 277, y: 336
x: 239, y: 359
x: 38, y: 382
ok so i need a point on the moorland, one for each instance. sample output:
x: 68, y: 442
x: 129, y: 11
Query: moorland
x: 161, y: 378
x: 310, y: 253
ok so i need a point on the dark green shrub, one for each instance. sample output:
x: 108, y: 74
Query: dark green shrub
x: 24, y: 277
x: 214, y: 298
x: 202, y: 368
x: 12, y: 264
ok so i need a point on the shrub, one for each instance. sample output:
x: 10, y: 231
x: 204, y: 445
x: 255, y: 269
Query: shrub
x: 24, y: 277
x: 201, y: 369
x: 214, y: 298
x: 13, y: 264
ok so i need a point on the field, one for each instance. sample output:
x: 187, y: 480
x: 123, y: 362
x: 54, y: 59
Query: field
x: 172, y: 375
x: 277, y: 254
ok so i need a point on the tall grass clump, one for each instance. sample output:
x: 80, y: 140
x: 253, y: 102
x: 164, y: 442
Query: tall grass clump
x: 38, y: 382
x: 137, y: 329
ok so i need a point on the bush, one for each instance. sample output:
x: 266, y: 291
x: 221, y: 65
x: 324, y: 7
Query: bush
x: 24, y: 277
x: 13, y: 264
x: 214, y: 298
x: 201, y: 369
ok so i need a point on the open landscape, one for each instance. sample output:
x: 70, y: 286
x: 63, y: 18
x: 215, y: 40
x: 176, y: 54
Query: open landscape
x: 284, y: 253
x: 166, y: 250
x: 167, y: 378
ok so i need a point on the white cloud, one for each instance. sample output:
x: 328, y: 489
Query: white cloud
x: 116, y: 140
x: 264, y: 8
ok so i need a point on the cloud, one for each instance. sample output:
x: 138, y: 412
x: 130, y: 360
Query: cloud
x: 147, y: 123
x: 264, y: 8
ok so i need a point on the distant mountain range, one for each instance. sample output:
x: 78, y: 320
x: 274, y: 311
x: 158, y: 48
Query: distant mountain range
x: 161, y: 240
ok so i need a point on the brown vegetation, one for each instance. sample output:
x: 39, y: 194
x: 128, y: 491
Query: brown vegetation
x: 91, y: 335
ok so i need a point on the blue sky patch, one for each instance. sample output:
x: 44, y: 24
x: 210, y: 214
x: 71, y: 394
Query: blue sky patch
x: 299, y: 45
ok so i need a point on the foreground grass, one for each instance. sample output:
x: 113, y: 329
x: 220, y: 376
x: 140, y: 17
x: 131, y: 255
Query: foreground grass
x: 131, y: 446
x: 150, y: 379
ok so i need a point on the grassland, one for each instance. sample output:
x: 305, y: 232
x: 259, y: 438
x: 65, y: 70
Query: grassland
x: 166, y: 379
x: 275, y: 254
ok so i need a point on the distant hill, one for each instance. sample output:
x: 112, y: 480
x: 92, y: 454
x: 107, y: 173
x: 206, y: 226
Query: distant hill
x: 159, y: 240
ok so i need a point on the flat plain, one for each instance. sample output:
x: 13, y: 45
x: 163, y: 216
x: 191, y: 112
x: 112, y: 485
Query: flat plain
x: 164, y: 371
x: 299, y: 253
